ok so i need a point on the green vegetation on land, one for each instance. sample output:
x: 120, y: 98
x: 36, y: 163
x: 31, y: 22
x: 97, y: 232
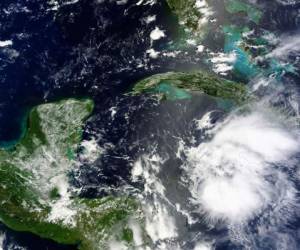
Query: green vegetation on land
x: 189, y: 82
x: 187, y: 12
x: 34, y: 192
x: 236, y: 6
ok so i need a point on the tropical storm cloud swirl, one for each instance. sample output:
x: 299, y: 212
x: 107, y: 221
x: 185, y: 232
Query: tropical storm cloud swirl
x: 149, y: 125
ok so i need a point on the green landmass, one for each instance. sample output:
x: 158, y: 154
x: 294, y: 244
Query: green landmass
x: 34, y: 192
x: 186, y: 11
x: 193, y: 18
x: 180, y: 85
x: 236, y: 6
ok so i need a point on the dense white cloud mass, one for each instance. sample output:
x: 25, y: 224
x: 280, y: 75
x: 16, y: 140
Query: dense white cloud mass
x: 236, y: 175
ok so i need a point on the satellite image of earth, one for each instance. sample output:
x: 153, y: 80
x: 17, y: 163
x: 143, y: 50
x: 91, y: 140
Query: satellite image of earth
x: 149, y: 124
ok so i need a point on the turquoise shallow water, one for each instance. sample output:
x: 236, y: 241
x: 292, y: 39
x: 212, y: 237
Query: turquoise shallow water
x: 171, y: 92
x: 89, y: 47
x: 243, y: 64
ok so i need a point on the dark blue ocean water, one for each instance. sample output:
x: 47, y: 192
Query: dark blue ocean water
x: 95, y: 50
x: 82, y: 49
